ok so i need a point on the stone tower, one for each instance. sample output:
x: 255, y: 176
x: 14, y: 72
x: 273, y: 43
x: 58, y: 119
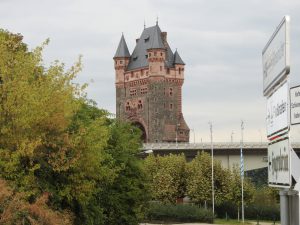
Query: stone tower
x: 148, y: 87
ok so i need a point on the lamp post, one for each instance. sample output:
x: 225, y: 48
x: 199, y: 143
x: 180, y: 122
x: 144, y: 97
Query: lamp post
x: 177, y: 124
x: 212, y: 169
x: 231, y: 136
x: 242, y: 169
x: 194, y: 135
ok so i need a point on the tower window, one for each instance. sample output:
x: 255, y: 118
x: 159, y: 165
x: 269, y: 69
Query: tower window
x: 171, y: 91
x: 127, y: 107
x: 149, y: 54
x: 140, y: 104
x: 146, y: 39
x: 168, y: 71
x: 171, y: 106
x: 146, y: 56
x: 179, y: 71
x: 135, y: 58
x: 161, y: 54
x: 160, y: 68
x: 121, y: 62
x: 154, y: 53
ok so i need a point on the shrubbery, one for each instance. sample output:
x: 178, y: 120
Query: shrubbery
x: 178, y: 213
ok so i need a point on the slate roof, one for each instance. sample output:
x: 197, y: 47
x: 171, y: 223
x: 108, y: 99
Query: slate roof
x: 177, y: 59
x: 122, y: 50
x: 150, y: 39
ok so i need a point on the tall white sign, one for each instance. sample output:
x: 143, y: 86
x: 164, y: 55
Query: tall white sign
x: 279, y: 163
x: 295, y: 105
x: 276, y: 57
x: 277, y: 111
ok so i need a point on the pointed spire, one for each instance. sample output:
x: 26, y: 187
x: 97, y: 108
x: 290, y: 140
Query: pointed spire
x: 144, y: 24
x: 157, y: 41
x: 177, y: 58
x: 122, y: 50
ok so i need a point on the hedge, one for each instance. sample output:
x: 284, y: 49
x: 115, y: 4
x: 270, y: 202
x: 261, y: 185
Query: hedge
x: 158, y: 212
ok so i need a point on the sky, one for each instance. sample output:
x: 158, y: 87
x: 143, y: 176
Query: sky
x: 220, y: 41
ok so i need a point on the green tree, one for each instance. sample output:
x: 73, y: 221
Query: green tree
x: 199, y: 186
x: 124, y: 199
x: 167, y: 177
x: 235, y: 195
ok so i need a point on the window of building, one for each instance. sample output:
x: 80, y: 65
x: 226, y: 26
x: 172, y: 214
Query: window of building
x: 133, y: 92
x: 179, y: 70
x: 146, y: 56
x: 160, y: 68
x: 127, y: 106
x: 121, y: 62
x: 168, y: 71
x: 144, y: 90
x: 140, y: 104
x: 154, y: 53
x: 161, y: 54
x: 149, y: 54
x: 147, y: 39
x: 135, y: 58
x: 171, y: 106
x: 171, y: 91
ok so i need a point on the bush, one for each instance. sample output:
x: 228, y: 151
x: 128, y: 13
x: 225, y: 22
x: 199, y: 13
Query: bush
x: 178, y: 213
x: 263, y: 213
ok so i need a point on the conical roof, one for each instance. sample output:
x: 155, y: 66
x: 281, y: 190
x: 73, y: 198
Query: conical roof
x: 150, y: 39
x: 156, y: 39
x: 177, y: 59
x: 122, y: 50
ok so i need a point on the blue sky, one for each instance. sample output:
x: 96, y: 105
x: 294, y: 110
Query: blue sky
x: 220, y: 42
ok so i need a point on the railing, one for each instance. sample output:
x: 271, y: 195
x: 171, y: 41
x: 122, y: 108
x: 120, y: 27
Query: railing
x: 206, y: 145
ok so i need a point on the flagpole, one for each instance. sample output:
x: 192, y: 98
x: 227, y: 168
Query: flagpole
x: 242, y: 170
x: 212, y: 169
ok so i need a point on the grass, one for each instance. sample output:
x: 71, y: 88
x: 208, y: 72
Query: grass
x: 232, y: 222
x: 235, y: 222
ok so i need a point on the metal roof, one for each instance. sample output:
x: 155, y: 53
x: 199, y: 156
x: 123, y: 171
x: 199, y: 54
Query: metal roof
x: 122, y: 50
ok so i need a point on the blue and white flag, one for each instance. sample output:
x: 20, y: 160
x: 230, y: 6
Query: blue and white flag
x: 242, y: 163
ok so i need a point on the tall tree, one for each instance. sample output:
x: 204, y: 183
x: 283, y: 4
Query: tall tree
x: 199, y: 186
x: 167, y: 177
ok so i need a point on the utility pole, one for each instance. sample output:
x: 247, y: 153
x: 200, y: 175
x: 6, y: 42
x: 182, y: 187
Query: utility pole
x: 212, y: 169
x: 242, y: 169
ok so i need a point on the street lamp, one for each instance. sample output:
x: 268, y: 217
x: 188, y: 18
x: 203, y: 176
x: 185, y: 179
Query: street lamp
x: 177, y: 124
x: 232, y: 136
x: 194, y: 135
x: 212, y: 169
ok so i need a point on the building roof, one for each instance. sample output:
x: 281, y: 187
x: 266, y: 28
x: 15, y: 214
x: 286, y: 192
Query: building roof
x: 151, y: 38
x: 177, y: 58
x: 122, y: 50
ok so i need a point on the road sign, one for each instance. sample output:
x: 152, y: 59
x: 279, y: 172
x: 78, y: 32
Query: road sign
x: 295, y: 105
x: 277, y: 111
x: 279, y: 173
x: 276, y: 57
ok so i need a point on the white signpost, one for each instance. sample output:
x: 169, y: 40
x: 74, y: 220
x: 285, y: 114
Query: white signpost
x: 279, y: 163
x: 277, y: 111
x: 276, y: 57
x: 295, y: 105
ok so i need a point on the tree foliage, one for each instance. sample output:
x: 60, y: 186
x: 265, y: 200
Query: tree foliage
x: 199, y: 183
x: 53, y: 140
x: 167, y: 177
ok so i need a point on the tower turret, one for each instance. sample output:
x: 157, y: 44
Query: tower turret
x: 156, y: 54
x: 179, y: 65
x: 121, y: 59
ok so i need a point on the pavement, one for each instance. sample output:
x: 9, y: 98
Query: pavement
x: 254, y: 223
